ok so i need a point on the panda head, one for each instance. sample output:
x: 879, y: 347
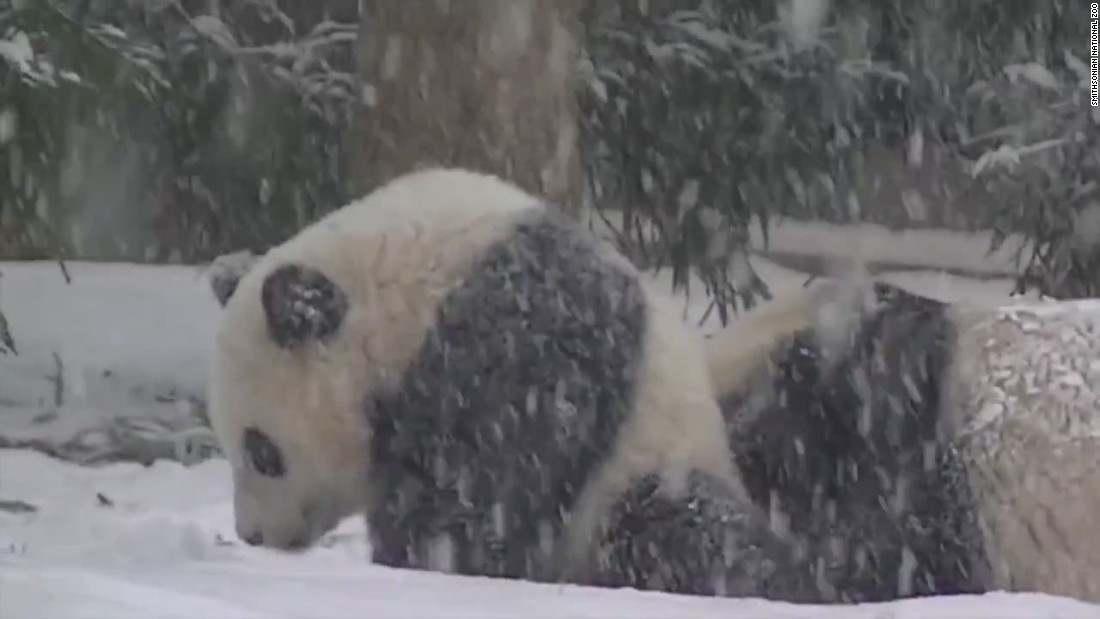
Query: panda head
x: 285, y: 403
x: 317, y: 326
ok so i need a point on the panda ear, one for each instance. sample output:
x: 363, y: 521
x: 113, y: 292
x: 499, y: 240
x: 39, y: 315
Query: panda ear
x: 226, y: 271
x: 223, y: 288
x: 301, y: 304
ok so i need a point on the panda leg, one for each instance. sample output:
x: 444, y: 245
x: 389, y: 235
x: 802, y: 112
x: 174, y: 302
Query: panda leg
x: 701, y: 539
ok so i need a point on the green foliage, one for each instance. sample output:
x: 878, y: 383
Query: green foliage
x: 229, y: 130
x: 674, y: 104
x: 155, y: 116
x: 1008, y: 93
x: 700, y: 116
x: 60, y: 73
x: 1038, y: 143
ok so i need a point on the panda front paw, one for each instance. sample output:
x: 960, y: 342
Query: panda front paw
x: 702, y: 540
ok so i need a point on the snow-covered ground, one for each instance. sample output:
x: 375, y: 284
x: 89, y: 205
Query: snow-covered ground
x: 129, y: 541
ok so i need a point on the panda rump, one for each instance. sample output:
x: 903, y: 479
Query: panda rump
x: 897, y: 440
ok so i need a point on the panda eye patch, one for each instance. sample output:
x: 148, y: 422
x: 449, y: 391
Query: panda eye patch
x: 263, y: 453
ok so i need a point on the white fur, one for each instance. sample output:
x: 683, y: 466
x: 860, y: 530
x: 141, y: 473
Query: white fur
x: 396, y: 254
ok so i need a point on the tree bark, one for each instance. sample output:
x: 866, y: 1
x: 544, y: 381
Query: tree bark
x: 481, y: 84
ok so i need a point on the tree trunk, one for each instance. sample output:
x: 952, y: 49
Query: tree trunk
x: 481, y: 84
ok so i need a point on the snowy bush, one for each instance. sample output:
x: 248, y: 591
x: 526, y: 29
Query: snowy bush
x: 122, y: 439
x: 699, y: 116
x: 216, y: 132
x: 224, y: 126
x: 696, y: 120
x: 1048, y: 159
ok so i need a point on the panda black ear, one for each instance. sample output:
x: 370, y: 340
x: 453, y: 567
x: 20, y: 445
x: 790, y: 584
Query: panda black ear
x: 301, y: 304
x: 226, y: 272
x: 223, y: 287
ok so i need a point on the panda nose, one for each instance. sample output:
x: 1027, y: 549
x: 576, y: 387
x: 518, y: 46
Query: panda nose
x: 253, y: 539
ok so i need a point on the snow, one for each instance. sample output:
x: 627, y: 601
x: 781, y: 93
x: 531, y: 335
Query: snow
x: 1034, y: 73
x: 131, y: 341
x: 1086, y: 231
x: 123, y: 540
x: 391, y: 60
x: 17, y: 50
x: 165, y: 547
x: 513, y: 28
x: 929, y: 249
x: 926, y: 251
x: 804, y: 19
x: 215, y: 30
x: 8, y: 124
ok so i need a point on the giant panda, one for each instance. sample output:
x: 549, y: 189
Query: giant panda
x: 498, y: 392
x: 906, y: 446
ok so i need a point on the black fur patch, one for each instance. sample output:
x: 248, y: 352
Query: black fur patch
x: 512, y: 403
x: 263, y: 454
x: 701, y: 541
x: 224, y: 288
x: 226, y: 271
x: 860, y: 460
x: 301, y: 305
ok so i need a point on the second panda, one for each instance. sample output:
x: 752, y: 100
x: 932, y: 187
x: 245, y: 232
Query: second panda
x: 866, y: 421
x: 496, y: 390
